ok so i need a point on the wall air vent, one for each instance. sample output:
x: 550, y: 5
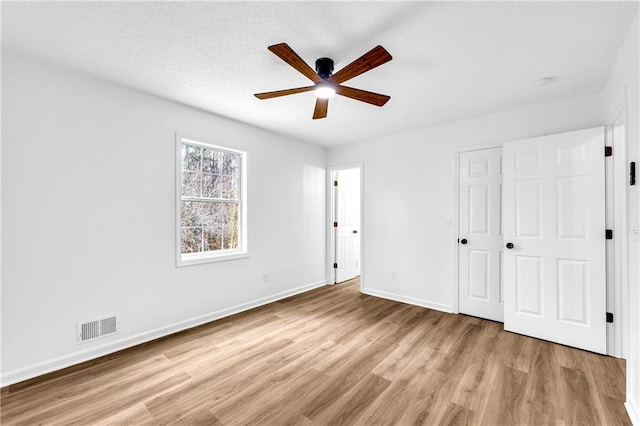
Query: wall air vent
x: 92, y: 330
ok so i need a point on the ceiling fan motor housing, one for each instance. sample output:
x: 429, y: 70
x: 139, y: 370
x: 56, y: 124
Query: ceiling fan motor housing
x: 324, y: 67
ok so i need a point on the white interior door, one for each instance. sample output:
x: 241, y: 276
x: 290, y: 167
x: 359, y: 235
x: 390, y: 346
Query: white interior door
x: 554, y: 216
x: 480, y: 234
x: 347, y: 218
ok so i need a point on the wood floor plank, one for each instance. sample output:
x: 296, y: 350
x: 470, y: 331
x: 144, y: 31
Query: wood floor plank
x: 406, y: 362
x: 457, y: 415
x: 543, y: 384
x: 331, y: 356
x: 276, y: 378
x: 578, y: 398
x: 348, y: 374
x: 430, y: 403
x: 614, y: 412
x: 507, y: 405
x: 347, y: 409
x: 601, y: 369
x: 389, y: 406
x: 279, y: 404
x: 135, y: 415
x: 47, y: 400
x: 212, y: 386
x: 474, y: 388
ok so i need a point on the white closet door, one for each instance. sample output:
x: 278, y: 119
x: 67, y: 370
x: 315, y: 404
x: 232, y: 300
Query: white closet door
x: 554, y: 216
x: 480, y: 236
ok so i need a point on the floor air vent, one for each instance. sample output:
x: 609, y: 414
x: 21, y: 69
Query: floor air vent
x: 91, y: 330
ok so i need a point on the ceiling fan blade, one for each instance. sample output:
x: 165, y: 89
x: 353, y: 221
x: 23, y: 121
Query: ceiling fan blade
x: 362, y: 95
x: 373, y: 58
x: 321, y: 108
x: 284, y: 52
x: 277, y: 93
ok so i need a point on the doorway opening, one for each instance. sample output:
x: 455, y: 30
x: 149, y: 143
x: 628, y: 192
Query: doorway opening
x: 345, y: 215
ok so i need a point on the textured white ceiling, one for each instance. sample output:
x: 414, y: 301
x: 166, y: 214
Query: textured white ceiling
x: 451, y: 60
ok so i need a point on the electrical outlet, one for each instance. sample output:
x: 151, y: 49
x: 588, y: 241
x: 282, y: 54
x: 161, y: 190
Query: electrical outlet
x: 265, y: 278
x: 394, y: 274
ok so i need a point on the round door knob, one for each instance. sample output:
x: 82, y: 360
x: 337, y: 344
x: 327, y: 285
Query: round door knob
x: 510, y: 246
x: 463, y: 241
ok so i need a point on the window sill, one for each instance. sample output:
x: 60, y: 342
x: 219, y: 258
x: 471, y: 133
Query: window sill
x: 200, y: 258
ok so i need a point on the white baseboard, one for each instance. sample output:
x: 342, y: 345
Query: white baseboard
x: 38, y: 369
x: 410, y: 300
x: 634, y: 412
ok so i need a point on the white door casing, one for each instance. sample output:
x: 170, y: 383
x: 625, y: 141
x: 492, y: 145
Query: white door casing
x: 617, y: 179
x: 554, y: 215
x: 480, y: 234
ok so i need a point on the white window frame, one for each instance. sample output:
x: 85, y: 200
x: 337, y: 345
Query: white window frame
x: 241, y: 252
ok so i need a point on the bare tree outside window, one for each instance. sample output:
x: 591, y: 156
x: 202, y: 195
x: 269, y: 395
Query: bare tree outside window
x: 211, y: 198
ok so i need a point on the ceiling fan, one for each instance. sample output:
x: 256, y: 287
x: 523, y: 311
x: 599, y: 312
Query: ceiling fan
x: 326, y: 84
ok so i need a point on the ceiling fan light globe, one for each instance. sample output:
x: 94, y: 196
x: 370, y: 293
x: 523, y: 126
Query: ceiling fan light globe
x: 325, y: 92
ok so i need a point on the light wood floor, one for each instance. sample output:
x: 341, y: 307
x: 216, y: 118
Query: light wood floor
x: 332, y: 356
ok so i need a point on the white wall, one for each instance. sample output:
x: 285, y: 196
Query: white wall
x: 623, y: 83
x: 88, y: 222
x: 409, y: 195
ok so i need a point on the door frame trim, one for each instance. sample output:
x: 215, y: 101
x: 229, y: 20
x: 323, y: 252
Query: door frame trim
x: 330, y: 252
x: 618, y: 257
x: 456, y: 212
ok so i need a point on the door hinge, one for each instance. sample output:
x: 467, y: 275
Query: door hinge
x: 632, y: 173
x: 608, y: 151
x: 335, y: 266
x: 335, y: 224
x: 609, y: 317
x: 609, y: 234
x: 335, y: 183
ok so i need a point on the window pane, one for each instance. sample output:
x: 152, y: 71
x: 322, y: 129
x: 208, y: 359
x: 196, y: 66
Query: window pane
x: 198, y: 213
x: 230, y: 230
x: 210, y: 161
x: 233, y: 187
x: 191, y: 157
x: 191, y: 184
x: 191, y: 239
x: 226, y: 186
x: 189, y: 214
x: 230, y: 163
x: 235, y: 165
x: 217, y: 166
x: 213, y: 233
x: 210, y: 185
x: 206, y: 212
x: 218, y: 220
x: 212, y: 239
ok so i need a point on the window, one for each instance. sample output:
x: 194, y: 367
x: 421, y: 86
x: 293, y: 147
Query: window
x: 211, y: 207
